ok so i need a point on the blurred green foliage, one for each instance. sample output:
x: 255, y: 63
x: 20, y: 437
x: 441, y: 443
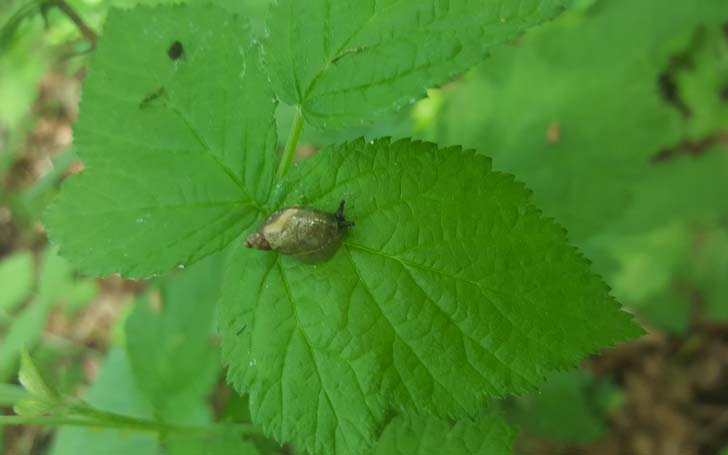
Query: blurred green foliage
x: 32, y: 295
x: 570, y: 408
x: 613, y: 114
x: 167, y: 370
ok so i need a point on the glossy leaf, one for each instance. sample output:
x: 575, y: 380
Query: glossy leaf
x: 348, y: 62
x: 421, y: 284
x: 418, y: 435
x: 176, y: 150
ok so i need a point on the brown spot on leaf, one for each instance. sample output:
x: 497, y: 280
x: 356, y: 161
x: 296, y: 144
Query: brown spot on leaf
x: 553, y: 133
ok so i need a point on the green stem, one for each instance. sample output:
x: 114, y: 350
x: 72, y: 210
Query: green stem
x: 290, y: 149
x: 81, y: 422
x: 103, y: 419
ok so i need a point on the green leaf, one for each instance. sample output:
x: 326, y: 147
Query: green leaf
x: 347, y: 62
x: 669, y: 310
x: 174, y: 362
x: 16, y: 280
x: 648, y: 262
x: 25, y: 330
x: 419, y: 435
x: 80, y: 294
x: 34, y: 407
x: 702, y: 87
x: 708, y: 271
x: 177, y: 151
x: 30, y: 378
x: 564, y: 410
x: 11, y: 394
x: 451, y: 288
x: 24, y: 59
x: 575, y: 111
x: 56, y: 276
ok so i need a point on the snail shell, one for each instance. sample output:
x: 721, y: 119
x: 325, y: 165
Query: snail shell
x: 307, y: 233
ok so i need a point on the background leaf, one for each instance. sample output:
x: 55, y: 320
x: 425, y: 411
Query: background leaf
x: 114, y: 390
x: 602, y: 113
x: 175, y: 149
x: 26, y: 329
x: 349, y: 62
x: 16, y: 280
x: 566, y: 408
x: 11, y: 394
x: 168, y: 340
x: 166, y: 374
x: 583, y: 94
x: 421, y: 284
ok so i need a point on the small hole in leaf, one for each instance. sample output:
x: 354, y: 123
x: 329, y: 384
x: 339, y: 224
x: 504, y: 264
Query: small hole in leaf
x: 175, y: 50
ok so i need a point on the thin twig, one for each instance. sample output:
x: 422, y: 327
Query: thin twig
x: 68, y: 10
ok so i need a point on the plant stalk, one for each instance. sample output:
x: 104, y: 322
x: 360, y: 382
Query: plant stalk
x: 85, y: 30
x: 108, y: 420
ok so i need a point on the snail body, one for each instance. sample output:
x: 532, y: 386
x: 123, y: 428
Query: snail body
x: 304, y: 232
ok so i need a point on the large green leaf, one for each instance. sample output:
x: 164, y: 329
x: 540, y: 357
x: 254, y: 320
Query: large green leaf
x: 487, y: 435
x: 452, y: 287
x: 347, y: 62
x: 177, y: 150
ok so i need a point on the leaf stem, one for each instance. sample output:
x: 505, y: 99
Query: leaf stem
x: 139, y: 425
x: 85, y: 30
x: 290, y: 149
x: 117, y: 421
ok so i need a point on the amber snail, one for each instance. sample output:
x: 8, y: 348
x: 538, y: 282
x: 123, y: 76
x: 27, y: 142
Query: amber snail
x: 306, y: 233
